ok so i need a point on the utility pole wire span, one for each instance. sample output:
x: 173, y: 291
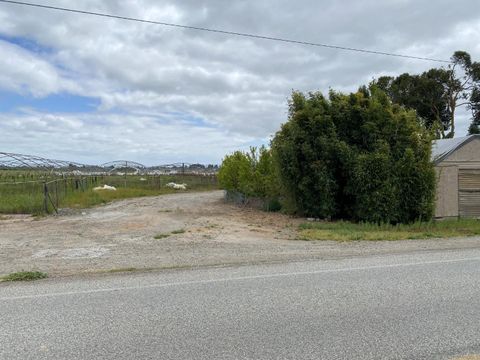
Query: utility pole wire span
x: 225, y: 32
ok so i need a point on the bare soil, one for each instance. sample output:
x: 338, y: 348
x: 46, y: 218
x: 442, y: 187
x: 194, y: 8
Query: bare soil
x: 121, y: 236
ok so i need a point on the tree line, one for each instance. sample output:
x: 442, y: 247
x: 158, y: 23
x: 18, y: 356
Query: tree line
x: 436, y: 94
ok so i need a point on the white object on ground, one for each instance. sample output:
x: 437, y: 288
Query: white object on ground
x: 105, y: 187
x: 176, y: 186
x: 143, y: 179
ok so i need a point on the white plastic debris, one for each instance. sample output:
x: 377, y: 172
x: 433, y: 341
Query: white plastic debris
x: 176, y: 186
x: 105, y: 187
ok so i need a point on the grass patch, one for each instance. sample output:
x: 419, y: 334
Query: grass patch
x: 161, y: 236
x: 23, y: 192
x: 24, y: 276
x: 21, y: 203
x: 174, y: 232
x: 179, y: 231
x: 347, y: 231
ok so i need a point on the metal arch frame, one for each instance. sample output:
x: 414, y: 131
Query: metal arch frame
x: 11, y: 161
x: 119, y: 164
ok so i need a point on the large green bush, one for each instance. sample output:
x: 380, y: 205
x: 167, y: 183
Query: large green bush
x: 354, y: 157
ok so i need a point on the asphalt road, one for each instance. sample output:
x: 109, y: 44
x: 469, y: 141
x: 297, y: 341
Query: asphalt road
x: 424, y: 305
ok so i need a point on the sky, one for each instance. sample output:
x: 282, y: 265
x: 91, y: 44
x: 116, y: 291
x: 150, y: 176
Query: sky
x: 91, y: 89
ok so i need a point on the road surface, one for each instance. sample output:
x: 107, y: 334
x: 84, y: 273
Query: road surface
x: 425, y: 305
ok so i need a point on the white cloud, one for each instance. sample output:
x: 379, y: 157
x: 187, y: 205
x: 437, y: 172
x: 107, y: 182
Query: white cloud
x: 237, y: 86
x: 95, y: 139
x: 25, y: 73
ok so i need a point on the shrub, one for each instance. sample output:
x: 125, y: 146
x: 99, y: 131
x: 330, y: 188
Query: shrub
x: 250, y: 173
x: 235, y: 172
x: 354, y: 157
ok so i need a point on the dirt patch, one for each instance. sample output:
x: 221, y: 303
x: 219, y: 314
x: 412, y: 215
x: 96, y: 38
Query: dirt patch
x: 122, y: 234
x: 75, y: 253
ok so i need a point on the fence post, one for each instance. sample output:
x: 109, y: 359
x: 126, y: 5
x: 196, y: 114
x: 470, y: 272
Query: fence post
x: 45, y: 197
x: 56, y: 193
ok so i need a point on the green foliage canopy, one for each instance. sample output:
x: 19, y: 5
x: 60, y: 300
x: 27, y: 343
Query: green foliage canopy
x: 355, y: 157
x: 250, y: 173
x: 437, y: 93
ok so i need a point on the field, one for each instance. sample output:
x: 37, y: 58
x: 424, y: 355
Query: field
x: 36, y: 192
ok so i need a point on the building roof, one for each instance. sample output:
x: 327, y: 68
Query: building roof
x: 444, y: 147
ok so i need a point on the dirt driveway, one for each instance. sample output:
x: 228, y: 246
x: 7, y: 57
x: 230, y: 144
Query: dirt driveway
x: 121, y: 235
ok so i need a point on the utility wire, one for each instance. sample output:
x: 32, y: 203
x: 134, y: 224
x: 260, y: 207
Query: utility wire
x: 225, y: 32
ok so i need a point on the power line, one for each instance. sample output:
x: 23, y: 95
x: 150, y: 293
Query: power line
x: 225, y: 32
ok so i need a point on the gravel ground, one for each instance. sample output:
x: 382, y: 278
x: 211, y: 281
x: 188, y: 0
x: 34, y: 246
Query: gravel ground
x: 120, y: 235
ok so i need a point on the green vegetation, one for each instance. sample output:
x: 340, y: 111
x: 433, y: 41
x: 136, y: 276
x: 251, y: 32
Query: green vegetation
x: 161, y: 236
x: 179, y: 231
x: 353, y: 157
x: 250, y: 173
x: 24, y: 194
x: 24, y: 276
x: 164, y: 235
x: 365, y: 156
x: 437, y: 93
x: 347, y: 231
x: 21, y: 199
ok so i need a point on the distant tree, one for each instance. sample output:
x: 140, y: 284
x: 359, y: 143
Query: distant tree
x: 424, y: 93
x: 437, y: 93
x: 463, y: 85
x: 196, y: 166
x: 475, y: 108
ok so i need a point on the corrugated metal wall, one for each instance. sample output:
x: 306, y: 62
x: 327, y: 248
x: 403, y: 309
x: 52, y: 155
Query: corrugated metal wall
x: 469, y: 192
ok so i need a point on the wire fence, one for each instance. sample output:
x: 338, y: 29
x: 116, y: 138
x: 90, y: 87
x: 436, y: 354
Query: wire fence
x: 240, y: 199
x: 34, y: 185
x: 40, y: 196
x: 23, y: 195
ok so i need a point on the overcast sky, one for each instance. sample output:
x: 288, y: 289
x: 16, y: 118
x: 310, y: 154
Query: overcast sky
x: 90, y: 89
